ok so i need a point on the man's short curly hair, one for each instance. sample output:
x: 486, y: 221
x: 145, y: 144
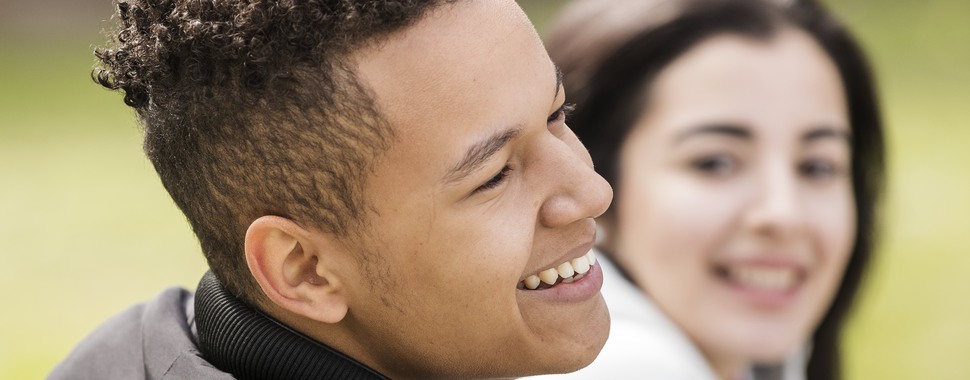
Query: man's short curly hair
x: 251, y: 108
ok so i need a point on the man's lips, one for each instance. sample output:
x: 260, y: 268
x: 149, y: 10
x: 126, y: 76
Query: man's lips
x: 566, y: 272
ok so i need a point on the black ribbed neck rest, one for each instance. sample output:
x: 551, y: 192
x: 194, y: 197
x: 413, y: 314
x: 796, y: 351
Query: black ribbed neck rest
x: 249, y: 344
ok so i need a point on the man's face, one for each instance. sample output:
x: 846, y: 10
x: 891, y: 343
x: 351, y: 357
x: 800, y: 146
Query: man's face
x: 483, y: 186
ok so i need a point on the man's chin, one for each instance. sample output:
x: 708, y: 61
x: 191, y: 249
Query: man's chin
x: 576, y: 342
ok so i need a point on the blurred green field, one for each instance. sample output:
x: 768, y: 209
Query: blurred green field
x: 86, y: 228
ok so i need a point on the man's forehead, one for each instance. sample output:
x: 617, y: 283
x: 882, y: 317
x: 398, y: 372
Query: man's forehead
x: 462, y: 62
x: 466, y: 75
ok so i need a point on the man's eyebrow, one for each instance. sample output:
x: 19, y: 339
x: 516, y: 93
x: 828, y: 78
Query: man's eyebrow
x: 716, y: 129
x: 827, y: 132
x: 478, y: 154
x: 558, y: 80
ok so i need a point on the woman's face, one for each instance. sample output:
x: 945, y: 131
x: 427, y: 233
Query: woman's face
x: 735, y: 209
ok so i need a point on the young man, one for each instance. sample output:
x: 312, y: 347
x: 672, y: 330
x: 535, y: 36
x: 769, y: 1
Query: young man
x: 381, y: 189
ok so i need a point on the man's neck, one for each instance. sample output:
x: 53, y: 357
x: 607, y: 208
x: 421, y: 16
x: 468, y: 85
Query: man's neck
x: 249, y: 344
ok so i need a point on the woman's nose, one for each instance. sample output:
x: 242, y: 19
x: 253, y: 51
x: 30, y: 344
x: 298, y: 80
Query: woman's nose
x: 776, y: 208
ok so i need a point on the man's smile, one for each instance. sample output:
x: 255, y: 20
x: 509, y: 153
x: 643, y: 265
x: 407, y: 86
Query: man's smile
x: 566, y: 272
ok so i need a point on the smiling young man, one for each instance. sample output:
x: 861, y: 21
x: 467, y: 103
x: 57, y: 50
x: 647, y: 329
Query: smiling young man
x: 381, y: 189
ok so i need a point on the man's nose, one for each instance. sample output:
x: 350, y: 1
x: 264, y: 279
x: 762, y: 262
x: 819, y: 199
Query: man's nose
x: 577, y: 191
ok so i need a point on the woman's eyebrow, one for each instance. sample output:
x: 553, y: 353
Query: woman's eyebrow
x: 826, y: 132
x: 715, y: 129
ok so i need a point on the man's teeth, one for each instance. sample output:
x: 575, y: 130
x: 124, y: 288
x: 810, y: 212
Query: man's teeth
x: 549, y: 276
x: 566, y: 269
x: 531, y: 282
x: 569, y: 271
x: 769, y: 279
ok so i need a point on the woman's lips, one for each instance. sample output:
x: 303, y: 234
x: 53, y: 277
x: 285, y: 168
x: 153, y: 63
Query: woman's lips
x: 765, y: 284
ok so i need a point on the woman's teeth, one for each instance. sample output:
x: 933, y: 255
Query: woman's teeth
x: 567, y: 272
x: 767, y: 279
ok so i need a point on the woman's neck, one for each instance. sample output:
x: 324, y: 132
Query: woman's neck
x: 728, y: 367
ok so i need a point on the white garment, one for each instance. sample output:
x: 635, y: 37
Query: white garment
x: 643, y: 342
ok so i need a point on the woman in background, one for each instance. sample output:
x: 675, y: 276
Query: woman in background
x: 744, y: 143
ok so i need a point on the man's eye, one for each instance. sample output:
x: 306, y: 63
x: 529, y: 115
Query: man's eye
x: 564, y: 111
x: 496, y: 180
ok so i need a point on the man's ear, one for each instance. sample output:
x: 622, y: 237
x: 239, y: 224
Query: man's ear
x: 295, y: 268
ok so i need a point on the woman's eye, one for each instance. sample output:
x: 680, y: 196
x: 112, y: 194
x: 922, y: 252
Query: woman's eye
x: 718, y: 164
x: 818, y: 169
x: 561, y: 113
x: 496, y: 180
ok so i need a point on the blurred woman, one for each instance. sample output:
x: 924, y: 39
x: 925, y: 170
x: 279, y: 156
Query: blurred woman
x: 744, y: 143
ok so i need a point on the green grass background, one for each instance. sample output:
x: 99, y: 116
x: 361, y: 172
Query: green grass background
x: 86, y: 228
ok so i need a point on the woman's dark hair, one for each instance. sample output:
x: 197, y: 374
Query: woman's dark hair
x: 610, y: 82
